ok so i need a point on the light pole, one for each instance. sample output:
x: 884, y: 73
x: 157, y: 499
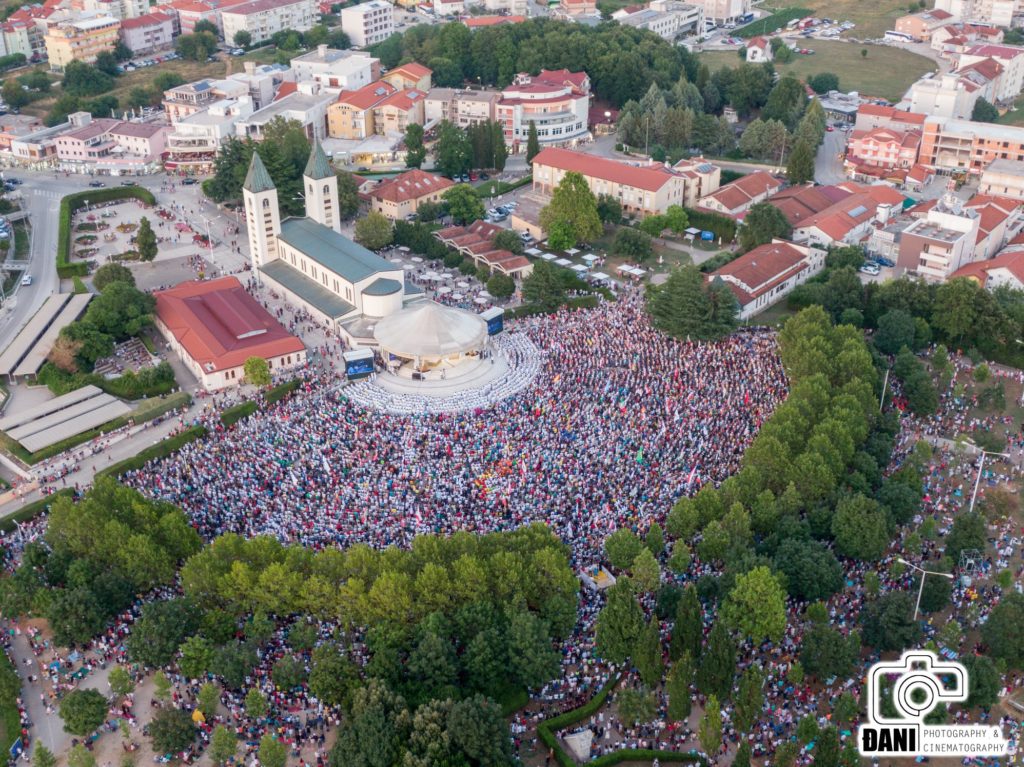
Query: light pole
x: 920, y: 589
x: 977, y: 480
x: 885, y: 383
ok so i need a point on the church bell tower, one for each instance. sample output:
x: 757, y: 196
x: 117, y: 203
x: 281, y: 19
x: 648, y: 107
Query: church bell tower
x: 262, y: 214
x: 321, y: 190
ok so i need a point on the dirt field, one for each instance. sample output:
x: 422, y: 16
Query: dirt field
x: 886, y: 72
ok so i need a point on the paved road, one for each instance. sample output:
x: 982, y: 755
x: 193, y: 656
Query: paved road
x: 828, y: 168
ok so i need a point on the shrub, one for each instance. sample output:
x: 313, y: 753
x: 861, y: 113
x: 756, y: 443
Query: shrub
x: 71, y: 203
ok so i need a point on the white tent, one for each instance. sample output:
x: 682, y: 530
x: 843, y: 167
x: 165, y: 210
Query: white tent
x: 430, y: 331
x: 590, y: 257
x: 579, y: 268
x: 563, y: 261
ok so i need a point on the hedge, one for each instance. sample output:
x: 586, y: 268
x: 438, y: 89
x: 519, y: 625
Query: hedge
x: 236, y: 413
x: 34, y: 509
x: 72, y: 202
x: 717, y: 262
x: 279, y: 392
x: 10, y: 717
x: 547, y: 729
x: 767, y: 25
x: 722, y: 226
x: 529, y: 310
x: 159, y: 450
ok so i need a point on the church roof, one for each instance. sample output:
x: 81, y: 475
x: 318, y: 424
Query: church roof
x: 382, y: 286
x: 318, y: 166
x: 331, y: 250
x: 257, y: 179
x: 310, y: 291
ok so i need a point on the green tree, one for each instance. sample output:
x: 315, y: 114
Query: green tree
x: 826, y: 653
x: 622, y: 547
x: 255, y: 704
x: 749, y: 699
x: 452, y: 151
x: 110, y: 273
x: 861, y: 528
x: 655, y: 539
x: 717, y: 667
x: 969, y: 533
x: 348, y: 195
x: 161, y: 686
x: 812, y: 571
x: 824, y: 82
x: 532, y: 143
x: 83, y: 711
x: 688, y: 632
x: 609, y: 209
x: 415, y: 152
x: 573, y: 204
x: 619, y: 624
x: 106, y: 62
x: 288, y: 672
x: 800, y: 168
x: 543, y: 288
x: 477, y: 728
x: 889, y: 622
x: 633, y: 244
x: 43, y: 757
x: 647, y: 654
x: 208, y: 699
x: 984, y: 112
x: 645, y: 571
x: 332, y: 676
x: 785, y: 754
x: 14, y: 94
x: 272, y: 753
x: 501, y: 286
x: 532, y: 660
x: 223, y: 745
x: 984, y: 680
x: 376, y: 731
x: 827, y: 748
x: 257, y: 372
x: 172, y: 730
x: 121, y: 682
x: 81, y: 79
x: 242, y: 39
x: 374, y: 231
x: 686, y: 307
x: 198, y: 46
x: 636, y: 705
x: 846, y: 709
x: 756, y: 606
x: 463, y: 204
x: 197, y: 655
x: 1001, y: 632
x: 145, y: 240
x: 680, y: 677
x: 709, y: 731
x: 79, y: 756
x: 160, y: 631
x: 762, y: 223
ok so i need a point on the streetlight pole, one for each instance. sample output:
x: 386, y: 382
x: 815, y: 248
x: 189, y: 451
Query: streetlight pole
x: 977, y: 480
x: 920, y: 589
x: 885, y: 383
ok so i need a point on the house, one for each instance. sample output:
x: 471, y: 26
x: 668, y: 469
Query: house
x: 460, y: 107
x: 476, y: 241
x: 410, y: 75
x: 882, y: 148
x: 1007, y: 269
x: 999, y: 219
x: 262, y: 19
x: 368, y: 23
x: 571, y: 8
x: 849, y: 220
x: 149, y: 32
x: 195, y: 140
x: 112, y: 143
x: 920, y: 25
x: 1003, y: 178
x: 759, y: 50
x: 937, y: 245
x: 351, y: 114
x: 798, y: 203
x: 81, y: 40
x: 642, y: 190
x: 736, y: 198
x: 214, y: 326
x: 764, y: 276
x: 871, y: 116
x: 400, y: 197
x: 336, y: 70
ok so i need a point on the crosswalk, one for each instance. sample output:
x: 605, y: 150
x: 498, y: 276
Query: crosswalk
x: 49, y: 194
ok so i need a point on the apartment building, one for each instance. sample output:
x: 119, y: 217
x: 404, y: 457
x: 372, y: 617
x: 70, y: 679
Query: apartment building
x: 336, y: 70
x: 573, y: 8
x: 668, y: 19
x: 184, y: 100
x: 444, y: 8
x: 511, y: 7
x: 351, y: 114
x: 410, y: 75
x: 935, y: 246
x: 700, y: 178
x: 765, y: 275
x: 643, y: 190
x: 262, y: 82
x: 1010, y: 80
x: 146, y: 33
x: 25, y: 37
x: 187, y: 13
x: 947, y: 95
x: 920, y: 25
x: 194, y: 140
x: 882, y: 148
x: 998, y: 13
x: 724, y: 11
x: 461, y: 107
x: 851, y: 219
x: 951, y: 146
x: 368, y: 23
x: 953, y: 39
x: 557, y: 102
x: 81, y: 40
x: 305, y: 105
x: 264, y: 18
x: 102, y: 139
x: 1003, y: 178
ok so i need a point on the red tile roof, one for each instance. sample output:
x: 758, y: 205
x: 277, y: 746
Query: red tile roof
x: 649, y: 177
x: 404, y: 99
x: 800, y: 202
x: 412, y: 69
x: 367, y: 96
x: 1011, y: 259
x: 898, y: 115
x: 146, y: 20
x: 220, y: 326
x: 837, y: 220
x: 410, y: 185
x: 761, y: 269
x: 474, y: 22
x: 737, y: 195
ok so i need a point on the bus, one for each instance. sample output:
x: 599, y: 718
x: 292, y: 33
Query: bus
x: 898, y: 37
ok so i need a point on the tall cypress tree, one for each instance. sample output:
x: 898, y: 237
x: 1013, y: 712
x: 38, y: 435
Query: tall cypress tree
x: 717, y: 667
x: 678, y: 688
x: 532, y: 143
x: 647, y: 654
x: 689, y: 629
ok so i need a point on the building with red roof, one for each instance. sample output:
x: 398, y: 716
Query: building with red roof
x: 764, y: 276
x: 1005, y: 269
x: 557, y: 102
x: 759, y: 50
x: 149, y: 32
x: 883, y: 148
x: 412, y: 75
x: 736, y: 198
x: 479, y: 22
x: 849, y: 220
x: 401, y: 196
x: 214, y: 326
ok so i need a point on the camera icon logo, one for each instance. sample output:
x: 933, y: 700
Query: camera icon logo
x: 922, y: 683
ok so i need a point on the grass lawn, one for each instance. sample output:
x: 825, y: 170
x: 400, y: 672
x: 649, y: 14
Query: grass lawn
x: 20, y: 241
x: 1014, y: 118
x: 872, y: 18
x: 886, y: 72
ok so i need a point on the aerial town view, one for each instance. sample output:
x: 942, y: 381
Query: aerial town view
x: 511, y: 383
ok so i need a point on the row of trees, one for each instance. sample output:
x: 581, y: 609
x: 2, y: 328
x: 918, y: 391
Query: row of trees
x: 457, y: 150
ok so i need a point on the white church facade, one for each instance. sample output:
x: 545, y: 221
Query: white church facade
x: 314, y: 266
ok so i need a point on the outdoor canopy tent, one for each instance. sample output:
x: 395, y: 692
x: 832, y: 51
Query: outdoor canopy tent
x: 429, y: 332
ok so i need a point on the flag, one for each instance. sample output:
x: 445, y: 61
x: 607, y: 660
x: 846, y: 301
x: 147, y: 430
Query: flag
x: 693, y: 473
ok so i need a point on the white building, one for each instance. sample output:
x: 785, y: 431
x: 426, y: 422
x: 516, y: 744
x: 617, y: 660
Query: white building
x: 937, y: 245
x: 368, y: 23
x: 514, y: 7
x: 262, y: 82
x: 336, y: 70
x: 998, y: 13
x: 307, y: 106
x: 668, y: 19
x: 947, y: 95
x: 264, y: 18
x: 759, y: 50
x: 557, y: 102
x: 724, y: 11
x: 1003, y: 178
x: 196, y: 139
x: 1010, y: 80
x: 768, y: 273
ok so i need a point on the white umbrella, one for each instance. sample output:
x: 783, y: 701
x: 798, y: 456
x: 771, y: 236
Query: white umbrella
x: 396, y: 260
x: 435, y: 277
x: 403, y: 248
x: 480, y: 300
x: 484, y: 294
x: 462, y: 284
x: 409, y: 267
x: 417, y: 259
x: 457, y: 296
x: 572, y: 251
x: 442, y: 290
x: 590, y: 257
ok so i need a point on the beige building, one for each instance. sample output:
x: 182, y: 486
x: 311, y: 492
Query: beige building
x: 401, y: 196
x: 461, y: 107
x: 378, y: 109
x: 410, y: 75
x: 81, y: 40
x: 1003, y: 178
x: 642, y: 190
x: 998, y: 13
x: 368, y: 23
x: 263, y: 18
x: 921, y: 25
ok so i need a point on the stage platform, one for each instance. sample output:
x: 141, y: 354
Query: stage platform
x: 475, y: 373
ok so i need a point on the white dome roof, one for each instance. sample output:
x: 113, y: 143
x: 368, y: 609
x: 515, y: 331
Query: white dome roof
x: 430, y: 330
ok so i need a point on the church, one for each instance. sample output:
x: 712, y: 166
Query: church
x: 314, y: 266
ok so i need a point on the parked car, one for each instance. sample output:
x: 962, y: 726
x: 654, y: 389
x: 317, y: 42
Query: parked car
x: 237, y: 51
x: 127, y: 183
x: 464, y: 178
x: 483, y: 176
x: 96, y: 184
x: 885, y: 261
x: 871, y: 268
x: 12, y: 181
x: 26, y: 281
x: 189, y: 181
x: 473, y: 176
